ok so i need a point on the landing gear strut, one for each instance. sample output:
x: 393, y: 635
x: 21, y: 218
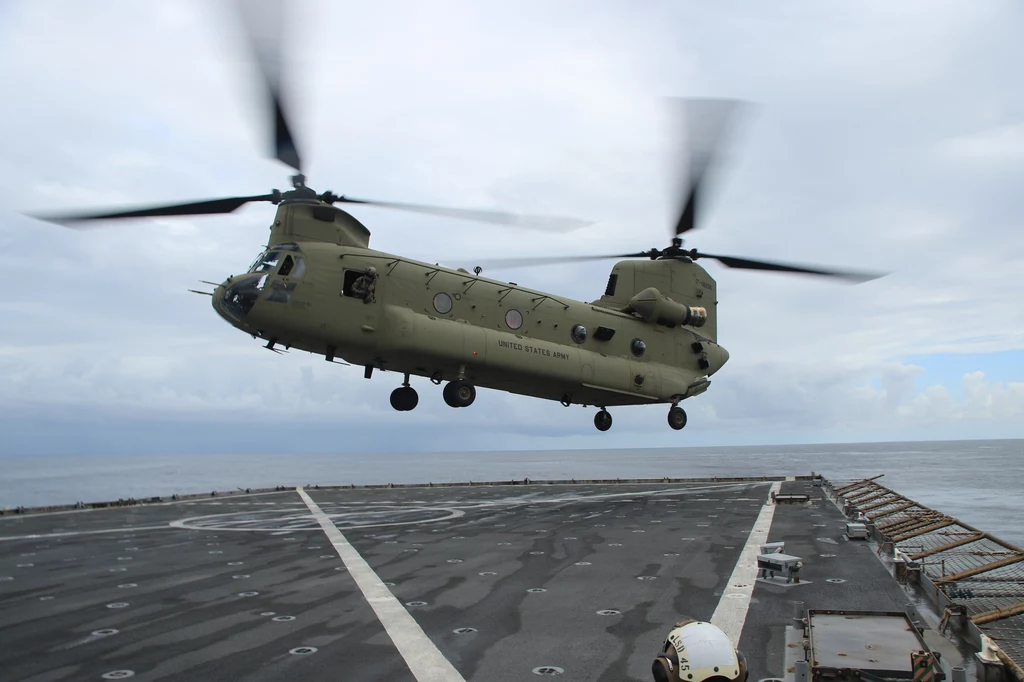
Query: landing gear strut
x: 676, y: 417
x: 603, y: 420
x: 459, y: 393
x: 404, y: 398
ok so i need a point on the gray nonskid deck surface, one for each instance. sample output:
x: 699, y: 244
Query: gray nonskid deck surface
x: 224, y: 589
x: 837, y: 574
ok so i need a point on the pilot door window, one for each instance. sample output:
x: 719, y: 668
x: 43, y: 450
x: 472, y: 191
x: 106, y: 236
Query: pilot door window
x: 292, y: 266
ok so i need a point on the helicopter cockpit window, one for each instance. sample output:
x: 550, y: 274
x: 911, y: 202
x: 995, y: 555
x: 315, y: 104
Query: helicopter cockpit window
x: 280, y: 291
x: 267, y: 262
x: 286, y: 266
x: 241, y: 295
x: 292, y: 266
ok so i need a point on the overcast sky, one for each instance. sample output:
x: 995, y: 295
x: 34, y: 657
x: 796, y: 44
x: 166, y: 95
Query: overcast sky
x: 882, y: 135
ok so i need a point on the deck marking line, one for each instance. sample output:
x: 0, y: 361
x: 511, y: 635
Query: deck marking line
x: 190, y: 500
x: 76, y: 533
x: 731, y: 612
x: 425, y: 660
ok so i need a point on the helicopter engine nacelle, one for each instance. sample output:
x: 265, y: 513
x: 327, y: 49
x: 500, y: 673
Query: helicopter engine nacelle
x: 656, y: 307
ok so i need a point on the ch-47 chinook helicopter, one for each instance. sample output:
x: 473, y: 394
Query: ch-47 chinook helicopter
x: 319, y: 287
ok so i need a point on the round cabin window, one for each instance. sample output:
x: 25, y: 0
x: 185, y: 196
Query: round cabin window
x: 514, y: 319
x: 637, y: 347
x: 443, y: 303
x: 578, y: 333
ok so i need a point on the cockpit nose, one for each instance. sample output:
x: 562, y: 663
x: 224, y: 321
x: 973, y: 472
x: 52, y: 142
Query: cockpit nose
x: 218, y: 296
x: 234, y: 299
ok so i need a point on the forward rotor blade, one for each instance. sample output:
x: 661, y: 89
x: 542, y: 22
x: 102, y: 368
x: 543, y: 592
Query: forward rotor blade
x: 263, y: 23
x: 541, y: 222
x: 506, y: 263
x: 747, y: 264
x: 207, y: 207
x: 706, y: 122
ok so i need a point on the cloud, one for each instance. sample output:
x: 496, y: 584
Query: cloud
x: 1000, y: 145
x: 878, y: 141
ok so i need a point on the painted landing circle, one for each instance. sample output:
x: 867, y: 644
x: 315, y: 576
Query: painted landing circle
x: 345, y: 517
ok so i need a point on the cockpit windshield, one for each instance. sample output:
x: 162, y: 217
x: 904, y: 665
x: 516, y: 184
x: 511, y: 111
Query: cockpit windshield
x: 266, y: 262
x: 269, y: 261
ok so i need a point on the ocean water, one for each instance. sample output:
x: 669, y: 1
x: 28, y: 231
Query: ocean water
x: 979, y: 482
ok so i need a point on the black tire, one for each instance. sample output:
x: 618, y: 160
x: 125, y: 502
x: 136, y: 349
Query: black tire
x: 677, y: 417
x: 603, y: 420
x: 459, y: 393
x: 404, y: 398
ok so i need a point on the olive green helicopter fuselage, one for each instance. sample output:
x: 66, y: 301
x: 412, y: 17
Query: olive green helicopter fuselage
x: 319, y: 287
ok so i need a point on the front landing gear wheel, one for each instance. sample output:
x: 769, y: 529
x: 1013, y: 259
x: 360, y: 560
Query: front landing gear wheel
x: 459, y: 393
x: 676, y: 417
x: 603, y: 420
x: 404, y: 398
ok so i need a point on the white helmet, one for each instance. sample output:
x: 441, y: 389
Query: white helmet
x: 696, y: 651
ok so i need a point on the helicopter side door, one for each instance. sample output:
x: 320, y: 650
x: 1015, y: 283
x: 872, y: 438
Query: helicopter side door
x: 356, y: 310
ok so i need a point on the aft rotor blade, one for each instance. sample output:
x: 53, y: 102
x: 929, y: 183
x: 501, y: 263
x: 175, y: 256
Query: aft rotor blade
x: 706, y: 123
x: 540, y: 222
x: 207, y: 207
x: 263, y: 24
x: 506, y: 263
x: 747, y: 264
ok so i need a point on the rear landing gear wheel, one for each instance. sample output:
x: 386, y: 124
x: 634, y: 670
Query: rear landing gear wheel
x: 404, y: 398
x: 676, y: 417
x: 603, y: 420
x: 459, y: 393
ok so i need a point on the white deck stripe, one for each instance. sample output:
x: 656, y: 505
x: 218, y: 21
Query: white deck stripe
x: 76, y: 533
x: 424, y: 659
x: 731, y: 613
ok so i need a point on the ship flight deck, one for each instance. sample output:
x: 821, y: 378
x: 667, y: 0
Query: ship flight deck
x: 488, y: 582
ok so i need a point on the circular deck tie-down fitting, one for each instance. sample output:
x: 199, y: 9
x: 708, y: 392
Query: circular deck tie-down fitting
x: 548, y: 670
